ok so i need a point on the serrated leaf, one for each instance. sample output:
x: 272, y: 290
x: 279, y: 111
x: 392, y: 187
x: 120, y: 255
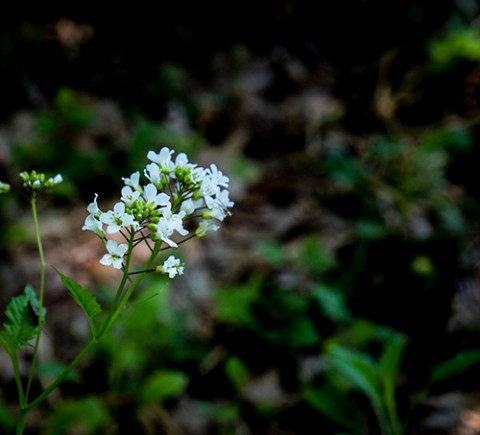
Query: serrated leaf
x: 21, y: 323
x: 8, y: 342
x: 82, y: 297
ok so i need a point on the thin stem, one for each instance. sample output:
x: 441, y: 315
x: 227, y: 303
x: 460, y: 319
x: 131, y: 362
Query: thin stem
x: 41, y: 295
x: 16, y: 370
x: 115, y: 313
x: 117, y: 307
x: 62, y: 375
x: 123, y: 282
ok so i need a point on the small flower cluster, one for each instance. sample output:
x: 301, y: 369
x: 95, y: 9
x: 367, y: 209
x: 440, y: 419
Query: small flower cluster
x: 36, y: 181
x: 145, y: 210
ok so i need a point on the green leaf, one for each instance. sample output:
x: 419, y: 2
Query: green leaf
x: 333, y: 404
x: 363, y: 373
x: 8, y: 342
x: 7, y: 420
x: 332, y: 302
x: 389, y: 367
x: 21, y: 324
x: 391, y: 358
x: 164, y: 384
x: 458, y: 364
x: 237, y: 372
x: 86, y: 415
x: 358, y: 369
x: 82, y: 297
x: 234, y: 305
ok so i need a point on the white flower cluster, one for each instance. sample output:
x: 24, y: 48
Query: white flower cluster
x: 175, y: 191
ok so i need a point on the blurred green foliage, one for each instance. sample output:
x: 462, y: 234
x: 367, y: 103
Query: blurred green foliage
x: 348, y: 337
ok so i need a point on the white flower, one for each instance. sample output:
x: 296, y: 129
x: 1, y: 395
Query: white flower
x: 212, y: 180
x: 117, y: 218
x: 171, y: 266
x: 181, y: 161
x: 133, y: 181
x: 168, y: 223
x: 197, y: 175
x: 163, y: 158
x: 152, y: 199
x: 152, y: 172
x: 93, y: 207
x: 218, y: 206
x: 188, y: 207
x: 115, y: 254
x: 93, y: 224
x: 204, y: 227
x: 129, y: 196
x: 217, y: 176
x: 54, y: 180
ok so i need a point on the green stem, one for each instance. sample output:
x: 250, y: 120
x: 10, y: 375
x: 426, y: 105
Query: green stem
x: 21, y: 421
x: 16, y: 370
x: 18, y: 379
x: 41, y: 294
x: 114, y: 312
x: 60, y: 377
x: 126, y: 268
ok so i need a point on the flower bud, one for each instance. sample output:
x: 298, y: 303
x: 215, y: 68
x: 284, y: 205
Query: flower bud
x: 4, y: 187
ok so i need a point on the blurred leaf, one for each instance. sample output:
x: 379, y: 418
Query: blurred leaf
x: 389, y: 363
x: 245, y: 169
x: 391, y: 358
x: 422, y: 265
x: 301, y: 332
x: 163, y: 384
x: 273, y: 252
x: 82, y: 297
x: 458, y: 364
x: 361, y: 333
x: 237, y: 372
x: 313, y: 255
x: 52, y: 369
x: 358, y: 369
x: 333, y: 404
x: 457, y: 139
x: 370, y: 230
x: 362, y: 372
x: 234, y: 305
x: 87, y: 416
x: 7, y: 420
x: 332, y: 302
x: 220, y: 412
x: 458, y: 44
x: 344, y: 171
x: 75, y: 113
